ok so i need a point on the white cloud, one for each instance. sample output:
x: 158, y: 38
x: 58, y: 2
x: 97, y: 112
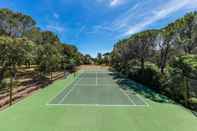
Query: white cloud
x: 123, y: 20
x: 141, y: 15
x: 161, y: 13
x: 100, y: 28
x: 56, y: 27
x: 111, y: 3
x: 115, y: 2
x: 80, y: 31
x: 116, y: 25
x: 55, y: 15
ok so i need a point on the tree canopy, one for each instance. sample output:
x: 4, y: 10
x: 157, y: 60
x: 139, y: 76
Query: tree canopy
x: 159, y: 58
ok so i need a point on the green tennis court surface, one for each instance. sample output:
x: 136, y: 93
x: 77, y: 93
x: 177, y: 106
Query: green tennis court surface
x: 96, y: 88
x: 93, y: 101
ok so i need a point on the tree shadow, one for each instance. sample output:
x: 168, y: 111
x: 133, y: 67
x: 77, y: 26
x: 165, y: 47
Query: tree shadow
x: 145, y: 91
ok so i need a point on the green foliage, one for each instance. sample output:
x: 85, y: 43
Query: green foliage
x: 193, y: 100
x: 150, y: 75
x: 30, y: 45
x: 48, y: 58
x: 18, y: 23
x: 14, y: 51
x: 35, y: 35
x: 71, y: 66
x: 87, y: 59
x: 107, y: 60
x: 71, y: 52
x: 99, y: 59
x: 3, y: 84
x: 187, y: 64
x: 161, y: 59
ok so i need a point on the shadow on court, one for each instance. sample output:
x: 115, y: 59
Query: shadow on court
x: 128, y: 84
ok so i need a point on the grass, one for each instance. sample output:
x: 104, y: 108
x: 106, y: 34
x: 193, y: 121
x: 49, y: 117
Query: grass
x: 32, y: 114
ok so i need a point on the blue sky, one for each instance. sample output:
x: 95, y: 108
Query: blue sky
x: 96, y: 25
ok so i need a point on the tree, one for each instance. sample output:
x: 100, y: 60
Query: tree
x: 166, y: 50
x: 50, y: 37
x: 107, y: 59
x: 35, y: 35
x: 184, y: 68
x: 144, y: 45
x: 22, y: 43
x: 14, y: 51
x: 167, y: 38
x: 99, y: 59
x: 14, y: 24
x: 188, y: 32
x: 48, y: 58
x: 87, y: 59
x: 71, y: 52
x: 187, y: 64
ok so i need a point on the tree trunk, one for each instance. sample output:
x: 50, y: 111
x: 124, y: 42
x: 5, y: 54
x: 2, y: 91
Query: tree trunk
x: 28, y: 65
x: 51, y: 75
x: 10, y: 91
x: 162, y: 65
x: 2, y: 73
x: 187, y: 90
x: 164, y: 55
x: 13, y: 76
x: 142, y: 64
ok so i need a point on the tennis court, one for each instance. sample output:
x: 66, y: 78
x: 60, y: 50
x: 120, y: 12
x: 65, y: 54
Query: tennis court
x: 94, y: 100
x: 96, y: 88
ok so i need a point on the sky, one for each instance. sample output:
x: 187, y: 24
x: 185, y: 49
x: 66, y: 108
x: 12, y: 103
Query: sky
x: 96, y: 25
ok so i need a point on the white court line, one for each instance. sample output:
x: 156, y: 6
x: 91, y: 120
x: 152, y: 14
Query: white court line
x: 95, y: 105
x: 69, y: 84
x: 93, y: 72
x: 65, y: 87
x: 128, y: 97
x: 140, y: 97
x: 59, y: 92
x: 96, y: 79
x: 74, y: 86
x: 96, y: 85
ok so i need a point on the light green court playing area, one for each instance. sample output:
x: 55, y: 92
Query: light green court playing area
x: 96, y: 88
x: 93, y: 100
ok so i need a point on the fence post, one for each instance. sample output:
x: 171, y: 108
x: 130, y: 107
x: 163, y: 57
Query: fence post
x: 186, y: 84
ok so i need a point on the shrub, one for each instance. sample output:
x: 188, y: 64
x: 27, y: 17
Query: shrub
x: 173, y: 84
x: 150, y: 76
x: 187, y: 64
x: 3, y: 84
x: 193, y: 100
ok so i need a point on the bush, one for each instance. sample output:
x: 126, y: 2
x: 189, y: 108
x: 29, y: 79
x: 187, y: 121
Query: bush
x: 187, y: 64
x: 173, y: 84
x: 3, y: 84
x: 193, y: 100
x: 193, y: 104
x: 150, y: 76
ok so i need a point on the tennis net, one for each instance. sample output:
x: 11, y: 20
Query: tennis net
x: 96, y: 75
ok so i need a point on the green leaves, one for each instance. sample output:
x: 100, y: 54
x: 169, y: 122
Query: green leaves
x: 14, y: 24
x: 171, y: 49
x: 14, y: 50
x: 48, y: 58
x: 187, y: 64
